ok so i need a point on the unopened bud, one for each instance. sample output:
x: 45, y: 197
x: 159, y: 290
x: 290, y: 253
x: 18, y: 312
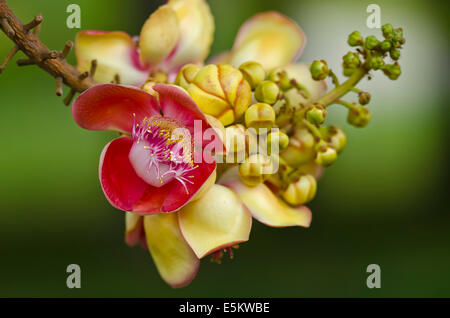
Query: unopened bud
x: 387, y: 30
x: 316, y: 114
x: 351, y: 60
x: 319, y: 70
x: 186, y: 75
x: 371, y: 42
x: 277, y: 138
x: 267, y: 92
x: 255, y: 169
x: 359, y: 116
x: 385, y: 45
x: 376, y: 62
x: 348, y: 71
x: 260, y: 115
x: 326, y: 154
x: 253, y: 73
x: 395, y: 54
x: 355, y: 39
x: 301, y: 191
x: 364, y: 98
x: 235, y: 139
x: 392, y: 71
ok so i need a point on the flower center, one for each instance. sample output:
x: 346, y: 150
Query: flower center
x: 162, y: 152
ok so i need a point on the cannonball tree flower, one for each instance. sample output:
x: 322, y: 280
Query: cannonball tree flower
x: 177, y: 33
x: 149, y: 174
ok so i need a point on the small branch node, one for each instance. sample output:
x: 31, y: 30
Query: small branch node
x: 8, y: 58
x: 59, y: 82
x: 36, y: 21
x: 67, y: 47
x: 84, y: 75
x: 93, y: 68
x: 69, y: 97
x: 50, y: 55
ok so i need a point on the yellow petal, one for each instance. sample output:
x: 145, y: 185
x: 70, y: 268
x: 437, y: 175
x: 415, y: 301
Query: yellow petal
x: 215, y: 221
x: 174, y: 259
x: 269, y: 38
x: 159, y: 35
x: 133, y: 228
x: 196, y: 32
x: 115, y: 53
x: 264, y: 205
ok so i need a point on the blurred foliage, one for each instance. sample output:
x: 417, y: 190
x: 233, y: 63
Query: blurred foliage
x: 384, y: 201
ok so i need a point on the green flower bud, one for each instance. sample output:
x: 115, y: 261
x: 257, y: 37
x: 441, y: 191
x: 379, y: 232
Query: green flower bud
x: 395, y: 54
x: 355, y: 39
x: 319, y: 70
x: 351, y: 60
x: 326, y: 154
x: 387, y: 30
x: 376, y: 63
x: 359, y: 116
x: 255, y: 169
x: 259, y: 116
x: 316, y: 114
x: 364, y: 98
x: 267, y: 92
x: 392, y: 71
x: 253, y: 72
x: 301, y: 191
x: 371, y: 42
x: 300, y: 148
x: 335, y: 137
x: 385, y: 45
x: 279, y: 138
x: 282, y: 78
x: 398, y: 35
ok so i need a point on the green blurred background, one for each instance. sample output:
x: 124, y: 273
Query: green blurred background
x: 384, y: 202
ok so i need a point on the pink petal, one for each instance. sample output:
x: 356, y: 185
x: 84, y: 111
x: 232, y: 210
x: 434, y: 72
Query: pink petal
x: 111, y: 107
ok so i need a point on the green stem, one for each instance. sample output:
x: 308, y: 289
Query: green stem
x: 344, y: 103
x: 314, y: 130
x: 342, y: 89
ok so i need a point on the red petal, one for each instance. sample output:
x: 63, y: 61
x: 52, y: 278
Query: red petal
x: 111, y: 107
x: 177, y: 196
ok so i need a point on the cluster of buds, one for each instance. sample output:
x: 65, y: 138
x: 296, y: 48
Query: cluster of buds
x: 279, y: 140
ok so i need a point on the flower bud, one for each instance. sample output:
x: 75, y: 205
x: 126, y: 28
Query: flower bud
x: 267, y: 92
x: 395, y: 54
x: 397, y: 35
x: 355, y: 39
x: 364, y: 98
x: 221, y: 91
x: 255, y: 169
x: 392, y: 71
x: 348, y: 71
x: 376, y: 62
x: 301, y: 191
x: 385, y: 45
x: 282, y: 78
x: 260, y: 115
x: 186, y: 75
x: 326, y: 154
x: 319, y: 70
x: 253, y: 73
x: 300, y: 148
x: 359, y: 116
x: 387, y: 30
x: 335, y: 137
x: 279, y: 138
x: 371, y: 42
x: 351, y: 60
x: 316, y: 114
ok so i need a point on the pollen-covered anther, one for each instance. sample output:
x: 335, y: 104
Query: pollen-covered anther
x: 217, y: 256
x: 162, y: 152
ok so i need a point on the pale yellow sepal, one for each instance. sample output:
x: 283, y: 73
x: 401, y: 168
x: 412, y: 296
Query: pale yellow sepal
x: 215, y: 221
x: 174, y: 259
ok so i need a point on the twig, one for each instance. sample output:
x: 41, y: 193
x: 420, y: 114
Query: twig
x: 53, y: 62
